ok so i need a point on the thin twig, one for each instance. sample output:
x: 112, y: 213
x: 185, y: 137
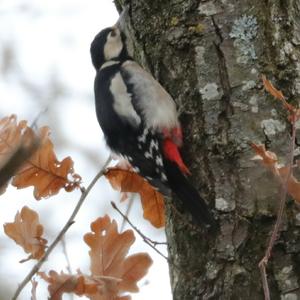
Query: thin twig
x: 129, y: 206
x: 147, y: 240
x: 283, y: 195
x: 68, y: 224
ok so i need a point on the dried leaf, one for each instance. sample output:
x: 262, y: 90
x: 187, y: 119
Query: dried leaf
x: 17, y: 143
x: 78, y: 284
x: 10, y: 135
x: 15, y: 161
x: 276, y: 93
x: 108, y: 258
x: 27, y: 232
x: 268, y: 158
x: 152, y: 200
x: 45, y: 172
x: 271, y: 89
x: 133, y: 271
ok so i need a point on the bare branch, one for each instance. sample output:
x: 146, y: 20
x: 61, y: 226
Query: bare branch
x: 147, y: 240
x: 129, y: 206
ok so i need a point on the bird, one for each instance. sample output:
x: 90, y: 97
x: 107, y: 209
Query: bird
x: 140, y: 122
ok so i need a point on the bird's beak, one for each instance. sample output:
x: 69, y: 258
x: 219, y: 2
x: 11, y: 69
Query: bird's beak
x: 121, y: 21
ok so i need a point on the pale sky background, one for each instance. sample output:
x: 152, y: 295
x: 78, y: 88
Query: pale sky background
x: 45, y: 64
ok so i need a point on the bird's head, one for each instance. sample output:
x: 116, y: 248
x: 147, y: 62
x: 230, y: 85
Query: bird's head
x: 108, y: 44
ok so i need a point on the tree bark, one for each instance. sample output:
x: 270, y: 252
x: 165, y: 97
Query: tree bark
x: 209, y: 55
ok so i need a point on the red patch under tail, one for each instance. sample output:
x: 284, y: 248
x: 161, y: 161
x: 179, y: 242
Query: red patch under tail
x: 171, y: 152
x: 174, y: 134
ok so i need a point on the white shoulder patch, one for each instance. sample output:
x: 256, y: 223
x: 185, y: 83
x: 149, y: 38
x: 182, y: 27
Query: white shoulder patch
x: 157, y: 105
x: 122, y: 100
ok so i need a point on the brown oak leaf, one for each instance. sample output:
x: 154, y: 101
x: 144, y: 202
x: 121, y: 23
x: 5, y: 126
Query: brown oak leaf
x: 19, y: 158
x: 108, y: 258
x: 45, y: 172
x: 27, y: 232
x: 17, y: 143
x: 152, y: 200
x: 78, y: 284
x: 294, y: 112
x: 271, y: 89
x: 283, y: 174
x: 268, y: 158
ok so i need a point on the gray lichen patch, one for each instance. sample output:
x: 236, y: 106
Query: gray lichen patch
x: 210, y: 91
x: 212, y: 270
x: 224, y: 205
x: 241, y: 106
x: 244, y: 32
x: 254, y: 104
x: 248, y: 85
x: 297, y: 217
x: 272, y: 126
x: 286, y: 278
x: 209, y: 9
x: 289, y: 296
x: 200, y: 55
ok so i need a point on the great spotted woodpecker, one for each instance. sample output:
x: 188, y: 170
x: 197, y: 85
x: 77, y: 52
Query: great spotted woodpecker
x: 139, y: 121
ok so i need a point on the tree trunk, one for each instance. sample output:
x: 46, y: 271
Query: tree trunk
x: 209, y: 55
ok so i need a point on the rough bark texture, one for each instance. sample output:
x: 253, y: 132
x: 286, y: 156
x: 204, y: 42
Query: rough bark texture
x: 209, y: 55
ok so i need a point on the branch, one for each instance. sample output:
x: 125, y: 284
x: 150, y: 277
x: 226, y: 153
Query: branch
x: 69, y: 223
x: 148, y: 241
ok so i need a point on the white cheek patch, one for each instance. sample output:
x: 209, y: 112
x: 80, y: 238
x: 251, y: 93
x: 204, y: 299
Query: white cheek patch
x: 122, y: 101
x: 113, y: 47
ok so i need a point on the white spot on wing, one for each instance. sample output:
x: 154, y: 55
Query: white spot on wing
x: 163, y: 177
x: 143, y: 137
x: 136, y: 169
x: 154, y: 144
x: 148, y: 154
x: 159, y: 161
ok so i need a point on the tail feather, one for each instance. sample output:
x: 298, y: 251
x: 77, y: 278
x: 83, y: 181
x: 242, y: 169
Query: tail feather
x: 190, y: 197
